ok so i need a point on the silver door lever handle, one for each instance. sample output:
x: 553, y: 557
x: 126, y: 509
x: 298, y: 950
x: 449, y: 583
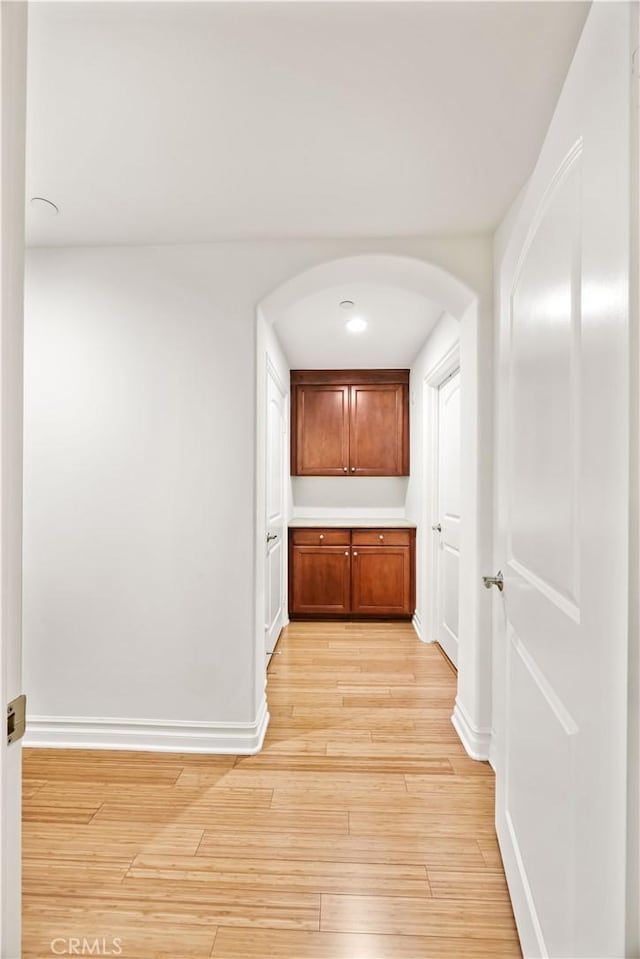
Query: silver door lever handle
x: 496, y: 581
x: 437, y: 528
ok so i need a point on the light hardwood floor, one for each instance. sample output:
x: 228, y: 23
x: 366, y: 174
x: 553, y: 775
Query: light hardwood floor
x: 361, y: 831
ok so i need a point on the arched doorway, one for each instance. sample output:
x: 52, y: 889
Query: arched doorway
x: 472, y: 713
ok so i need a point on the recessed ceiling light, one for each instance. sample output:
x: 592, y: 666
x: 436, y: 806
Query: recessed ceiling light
x: 41, y: 203
x: 356, y: 325
x: 347, y: 304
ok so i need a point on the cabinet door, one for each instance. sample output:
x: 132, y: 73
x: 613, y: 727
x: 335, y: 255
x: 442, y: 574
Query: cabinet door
x: 320, y: 579
x: 381, y: 580
x: 379, y: 433
x: 321, y: 434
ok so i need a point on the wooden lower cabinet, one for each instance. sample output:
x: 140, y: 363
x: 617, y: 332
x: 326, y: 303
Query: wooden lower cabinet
x: 321, y: 580
x: 371, y: 574
x: 381, y: 581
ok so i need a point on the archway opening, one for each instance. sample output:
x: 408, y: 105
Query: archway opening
x: 440, y: 329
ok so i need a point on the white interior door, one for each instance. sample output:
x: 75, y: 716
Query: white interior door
x: 564, y: 397
x: 13, y: 49
x: 448, y: 513
x: 275, y: 499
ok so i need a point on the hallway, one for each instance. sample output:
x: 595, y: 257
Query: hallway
x: 361, y: 831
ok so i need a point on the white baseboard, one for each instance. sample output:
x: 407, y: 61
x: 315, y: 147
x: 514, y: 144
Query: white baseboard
x: 477, y: 742
x: 418, y: 625
x: 493, y: 754
x: 147, y: 735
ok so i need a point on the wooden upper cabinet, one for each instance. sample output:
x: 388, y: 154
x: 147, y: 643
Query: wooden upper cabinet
x: 350, y: 422
x: 320, y: 436
x: 377, y: 444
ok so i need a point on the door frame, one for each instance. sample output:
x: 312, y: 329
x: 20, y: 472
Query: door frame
x: 473, y: 311
x: 439, y: 373
x: 268, y: 356
x: 633, y: 754
x: 271, y: 371
x: 13, y: 41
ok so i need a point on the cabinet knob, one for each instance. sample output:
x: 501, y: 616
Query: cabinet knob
x: 381, y: 537
x: 353, y: 469
x: 321, y: 535
x: 354, y: 553
x: 346, y: 552
x: 346, y: 469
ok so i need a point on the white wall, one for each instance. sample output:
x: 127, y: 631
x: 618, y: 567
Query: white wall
x: 140, y: 446
x: 350, y: 495
x: 473, y: 709
x: 419, y: 492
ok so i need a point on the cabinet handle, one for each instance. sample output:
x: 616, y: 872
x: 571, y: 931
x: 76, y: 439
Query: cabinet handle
x: 355, y: 554
x: 381, y: 537
x: 321, y: 535
x: 353, y: 469
x: 346, y: 552
x: 346, y: 469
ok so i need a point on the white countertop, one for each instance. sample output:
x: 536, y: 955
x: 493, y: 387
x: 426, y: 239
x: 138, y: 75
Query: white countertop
x: 346, y: 523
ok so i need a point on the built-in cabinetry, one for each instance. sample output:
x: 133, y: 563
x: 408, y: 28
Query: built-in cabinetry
x: 351, y: 572
x: 350, y: 422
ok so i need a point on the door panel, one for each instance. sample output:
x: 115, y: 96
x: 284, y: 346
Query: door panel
x: 381, y: 580
x: 377, y: 444
x: 448, y: 573
x: 321, y: 579
x: 542, y: 737
x: 322, y: 431
x: 449, y: 605
x: 561, y: 688
x: 546, y: 636
x: 274, y: 585
x: 545, y: 413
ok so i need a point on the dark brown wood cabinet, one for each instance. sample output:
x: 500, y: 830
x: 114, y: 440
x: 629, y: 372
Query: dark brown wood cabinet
x: 381, y: 581
x: 321, y: 427
x: 382, y: 572
x: 321, y: 577
x: 350, y: 422
x: 351, y: 572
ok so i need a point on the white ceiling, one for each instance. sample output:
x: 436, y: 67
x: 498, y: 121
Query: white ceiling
x: 191, y: 122
x: 312, y: 332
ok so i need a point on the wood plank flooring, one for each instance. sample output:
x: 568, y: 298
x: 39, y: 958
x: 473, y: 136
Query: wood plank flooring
x: 361, y: 831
